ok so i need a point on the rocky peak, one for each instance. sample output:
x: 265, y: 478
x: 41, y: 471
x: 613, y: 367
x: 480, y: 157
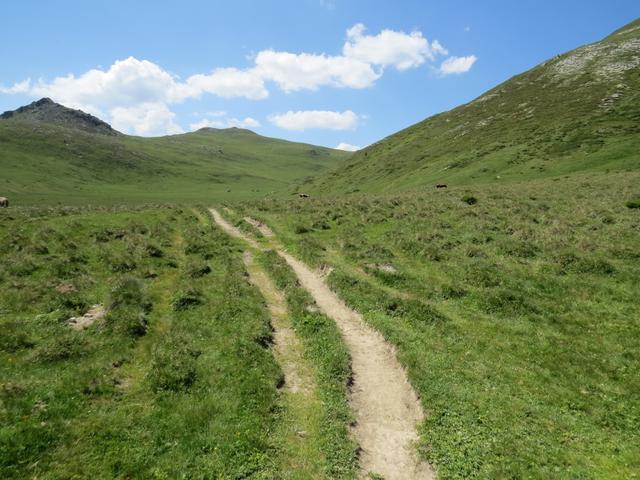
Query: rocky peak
x: 46, y: 110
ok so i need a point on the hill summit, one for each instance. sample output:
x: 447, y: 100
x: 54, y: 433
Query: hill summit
x: 47, y: 111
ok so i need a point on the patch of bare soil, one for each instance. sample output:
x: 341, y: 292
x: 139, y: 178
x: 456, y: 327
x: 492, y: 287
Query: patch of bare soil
x: 383, y: 267
x: 96, y: 312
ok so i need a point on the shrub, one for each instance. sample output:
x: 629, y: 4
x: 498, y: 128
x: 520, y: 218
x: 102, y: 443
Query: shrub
x: 507, y: 302
x: 21, y: 265
x: 451, y: 291
x: 121, y: 263
x: 469, y: 199
x: 198, y: 269
x: 14, y: 338
x: 634, y: 203
x: 63, y: 347
x: 128, y: 292
x: 129, y: 320
x: 154, y: 251
x: 571, y: 263
x: 173, y: 366
x: 185, y: 299
x: 300, y: 229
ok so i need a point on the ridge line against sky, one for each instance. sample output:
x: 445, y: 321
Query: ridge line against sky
x: 336, y: 82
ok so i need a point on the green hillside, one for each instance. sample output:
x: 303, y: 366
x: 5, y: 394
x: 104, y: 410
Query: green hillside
x: 579, y: 111
x: 55, y: 159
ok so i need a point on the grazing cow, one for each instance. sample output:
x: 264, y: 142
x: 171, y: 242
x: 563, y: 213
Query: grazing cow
x: 303, y: 195
x: 441, y: 185
x: 4, y: 202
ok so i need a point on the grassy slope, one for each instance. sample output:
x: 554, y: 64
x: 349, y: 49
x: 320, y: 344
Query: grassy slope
x: 576, y: 112
x: 45, y: 163
x: 517, y: 316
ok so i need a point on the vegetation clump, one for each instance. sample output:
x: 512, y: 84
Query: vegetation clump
x: 634, y: 203
x: 469, y: 199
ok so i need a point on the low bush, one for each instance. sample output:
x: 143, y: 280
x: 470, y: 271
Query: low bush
x: 187, y: 298
x: 197, y: 269
x: 62, y: 347
x: 173, y: 366
x: 128, y: 292
x: 300, y: 229
x: 14, y: 337
x: 633, y: 203
x: 469, y: 199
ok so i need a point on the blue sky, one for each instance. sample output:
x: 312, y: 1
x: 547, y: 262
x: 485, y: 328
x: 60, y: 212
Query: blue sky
x: 320, y: 71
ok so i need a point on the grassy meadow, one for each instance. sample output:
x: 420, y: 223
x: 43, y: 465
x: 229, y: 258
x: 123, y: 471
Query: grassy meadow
x: 176, y: 380
x: 513, y: 307
x: 48, y: 164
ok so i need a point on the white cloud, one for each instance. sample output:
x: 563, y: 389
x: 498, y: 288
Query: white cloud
x: 147, y: 119
x: 247, y: 122
x: 321, y: 119
x: 127, y: 82
x: 18, y: 87
x: 121, y: 92
x: 347, y: 147
x: 134, y: 95
x: 390, y: 48
x: 305, y: 71
x: 457, y: 65
x: 225, y: 82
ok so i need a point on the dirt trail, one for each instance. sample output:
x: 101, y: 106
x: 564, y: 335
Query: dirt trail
x: 233, y: 231
x: 385, y: 405
x: 264, y: 229
x: 289, y: 351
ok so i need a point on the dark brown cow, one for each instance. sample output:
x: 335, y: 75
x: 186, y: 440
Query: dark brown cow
x: 441, y: 185
x: 303, y: 195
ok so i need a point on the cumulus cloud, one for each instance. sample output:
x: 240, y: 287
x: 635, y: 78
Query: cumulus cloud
x: 305, y: 71
x: 247, y: 122
x: 225, y: 82
x: 390, y: 48
x: 347, y: 147
x: 457, y: 65
x: 121, y: 93
x: 320, y: 119
x: 18, y: 87
x: 134, y: 95
x: 147, y: 119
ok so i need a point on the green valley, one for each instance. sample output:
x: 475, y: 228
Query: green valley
x: 459, y: 300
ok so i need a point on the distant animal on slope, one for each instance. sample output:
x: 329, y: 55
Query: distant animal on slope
x: 4, y: 202
x: 441, y: 185
x: 303, y: 195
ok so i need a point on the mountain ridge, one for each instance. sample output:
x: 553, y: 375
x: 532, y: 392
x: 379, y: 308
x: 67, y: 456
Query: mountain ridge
x: 577, y: 111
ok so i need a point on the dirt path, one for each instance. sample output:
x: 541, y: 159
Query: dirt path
x: 233, y: 231
x: 301, y: 420
x: 385, y: 405
x: 288, y: 349
x: 262, y: 228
